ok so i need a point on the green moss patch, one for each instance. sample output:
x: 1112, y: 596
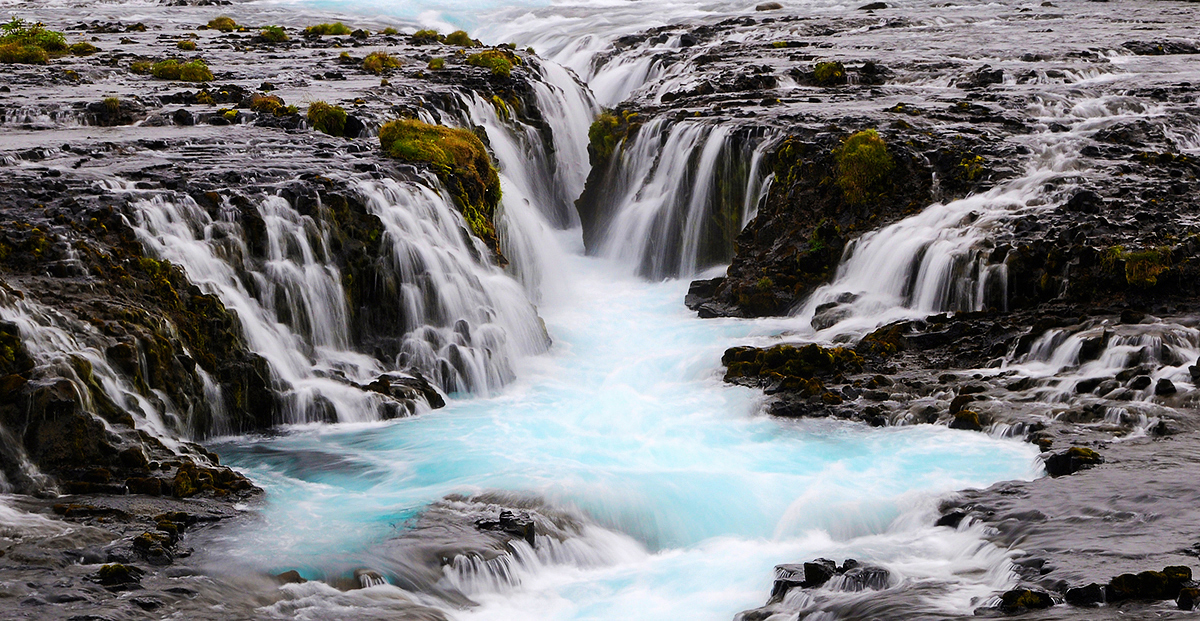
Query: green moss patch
x: 377, y: 62
x: 461, y: 162
x: 499, y: 61
x: 191, y: 71
x: 30, y: 43
x: 862, y: 166
x: 829, y: 73
x: 320, y: 30
x: 608, y: 131
x: 461, y: 38
x: 223, y: 23
x: 327, y: 118
x: 273, y: 34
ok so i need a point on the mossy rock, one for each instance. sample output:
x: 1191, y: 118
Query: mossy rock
x: 1020, y: 600
x: 967, y: 420
x: 378, y: 62
x: 610, y: 130
x: 461, y: 162
x: 500, y: 61
x: 116, y: 574
x: 321, y: 30
x: 863, y: 165
x: 327, y: 118
x: 829, y: 73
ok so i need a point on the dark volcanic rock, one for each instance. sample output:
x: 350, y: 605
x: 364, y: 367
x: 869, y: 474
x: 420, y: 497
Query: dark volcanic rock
x: 1071, y: 461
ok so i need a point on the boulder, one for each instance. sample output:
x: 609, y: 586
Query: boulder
x: 1071, y: 461
x: 1020, y: 600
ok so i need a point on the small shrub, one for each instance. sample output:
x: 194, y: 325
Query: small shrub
x: 862, y: 165
x: 165, y: 69
x: 327, y: 118
x: 389, y: 31
x: 830, y: 73
x: 140, y: 67
x: 320, y: 30
x: 273, y: 34
x: 437, y: 63
x: 192, y: 71
x: 24, y: 33
x: 266, y: 103
x: 377, y: 62
x: 461, y: 38
x: 112, y: 104
x: 14, y: 53
x: 427, y: 35
x: 30, y: 44
x: 187, y: 46
x: 499, y: 61
x: 223, y: 23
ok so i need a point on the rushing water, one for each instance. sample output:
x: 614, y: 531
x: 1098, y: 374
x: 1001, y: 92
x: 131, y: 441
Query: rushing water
x: 694, y: 494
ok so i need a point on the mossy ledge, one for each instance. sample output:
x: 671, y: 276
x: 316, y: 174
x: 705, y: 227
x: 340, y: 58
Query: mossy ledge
x: 461, y: 162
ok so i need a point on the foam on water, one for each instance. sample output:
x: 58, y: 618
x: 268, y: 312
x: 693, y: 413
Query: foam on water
x: 692, y: 494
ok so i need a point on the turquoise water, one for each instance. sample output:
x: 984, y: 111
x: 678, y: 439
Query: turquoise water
x: 694, y: 493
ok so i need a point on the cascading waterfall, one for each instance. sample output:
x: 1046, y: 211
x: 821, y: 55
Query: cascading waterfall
x: 464, y: 320
x: 1089, y: 359
x: 678, y: 195
x: 941, y: 259
x: 66, y: 349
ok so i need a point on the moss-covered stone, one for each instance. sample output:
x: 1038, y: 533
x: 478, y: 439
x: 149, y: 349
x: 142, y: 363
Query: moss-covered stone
x: 1020, y: 600
x: 829, y: 73
x: 611, y: 129
x: 223, y: 23
x: 327, y: 118
x: 500, y: 61
x: 863, y: 165
x: 378, y: 62
x: 967, y: 420
x: 461, y: 38
x: 191, y: 71
x: 321, y: 30
x: 461, y: 162
x: 273, y: 34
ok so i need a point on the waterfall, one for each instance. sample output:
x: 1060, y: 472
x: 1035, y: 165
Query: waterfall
x: 674, y: 197
x: 542, y: 171
x: 461, y: 320
x: 941, y: 260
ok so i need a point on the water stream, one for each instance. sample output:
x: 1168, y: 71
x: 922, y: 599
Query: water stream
x: 689, y: 493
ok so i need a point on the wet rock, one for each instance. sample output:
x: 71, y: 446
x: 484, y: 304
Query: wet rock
x: 1188, y: 599
x: 113, y: 111
x: 290, y: 577
x: 1140, y: 382
x: 1164, y: 387
x: 1090, y: 595
x: 1071, y: 461
x: 983, y: 77
x: 874, y: 6
x: 960, y: 402
x: 1161, y: 48
x: 952, y: 519
x: 968, y: 420
x: 1020, y: 600
x: 119, y: 576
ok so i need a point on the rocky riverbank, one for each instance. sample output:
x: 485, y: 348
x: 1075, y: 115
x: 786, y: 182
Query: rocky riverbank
x: 118, y: 359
